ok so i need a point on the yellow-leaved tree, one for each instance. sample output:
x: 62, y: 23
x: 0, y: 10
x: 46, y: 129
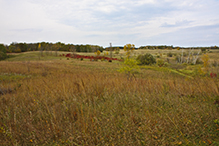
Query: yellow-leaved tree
x: 130, y: 66
x: 39, y: 46
x: 129, y: 48
x: 97, y: 53
x: 39, y: 49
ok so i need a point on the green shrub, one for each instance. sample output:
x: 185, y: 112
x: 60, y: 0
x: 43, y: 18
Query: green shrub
x: 3, y: 54
x: 160, y: 63
x: 146, y: 59
x: 166, y: 64
x: 116, y: 52
x: 130, y: 67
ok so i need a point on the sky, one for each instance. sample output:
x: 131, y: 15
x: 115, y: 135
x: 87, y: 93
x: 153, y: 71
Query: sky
x: 187, y: 23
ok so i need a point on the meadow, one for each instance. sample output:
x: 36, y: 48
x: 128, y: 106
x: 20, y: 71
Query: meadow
x: 48, y: 100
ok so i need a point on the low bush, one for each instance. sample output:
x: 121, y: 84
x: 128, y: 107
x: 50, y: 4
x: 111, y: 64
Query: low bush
x: 146, y: 59
x: 166, y: 64
x: 160, y: 63
x: 169, y: 54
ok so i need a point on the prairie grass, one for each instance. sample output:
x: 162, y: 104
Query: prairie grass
x: 72, y: 102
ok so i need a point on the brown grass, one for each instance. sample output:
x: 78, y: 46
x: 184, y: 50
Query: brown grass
x: 71, y: 102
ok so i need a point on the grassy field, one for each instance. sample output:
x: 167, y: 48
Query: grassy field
x: 54, y: 101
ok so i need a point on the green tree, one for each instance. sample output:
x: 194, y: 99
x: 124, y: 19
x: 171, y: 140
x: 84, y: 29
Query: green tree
x: 3, y: 54
x: 23, y: 47
x: 57, y: 48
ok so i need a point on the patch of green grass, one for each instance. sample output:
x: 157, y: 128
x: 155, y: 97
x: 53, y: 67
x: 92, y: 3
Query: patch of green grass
x: 32, y: 56
x: 165, y: 69
x: 12, y: 76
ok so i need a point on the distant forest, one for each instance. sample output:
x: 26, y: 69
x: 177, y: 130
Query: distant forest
x: 45, y: 46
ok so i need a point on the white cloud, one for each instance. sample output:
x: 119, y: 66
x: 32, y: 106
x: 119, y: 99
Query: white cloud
x: 101, y: 22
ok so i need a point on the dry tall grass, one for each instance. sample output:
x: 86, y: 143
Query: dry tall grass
x: 62, y: 103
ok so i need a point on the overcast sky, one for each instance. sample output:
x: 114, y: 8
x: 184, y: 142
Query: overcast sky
x: 99, y: 22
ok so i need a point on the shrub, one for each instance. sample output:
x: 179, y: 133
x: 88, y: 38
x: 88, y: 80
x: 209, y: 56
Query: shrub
x: 146, y: 59
x: 3, y: 54
x: 130, y: 67
x: 203, y: 49
x: 166, y: 64
x: 169, y: 54
x: 160, y: 63
x: 116, y: 52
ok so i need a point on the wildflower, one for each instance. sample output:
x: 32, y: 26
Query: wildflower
x: 31, y: 140
x: 213, y: 75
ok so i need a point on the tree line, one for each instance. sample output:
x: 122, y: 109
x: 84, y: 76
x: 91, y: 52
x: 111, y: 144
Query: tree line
x: 45, y: 46
x: 177, y: 47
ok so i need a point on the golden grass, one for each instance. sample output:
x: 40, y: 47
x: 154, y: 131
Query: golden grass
x: 72, y: 102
